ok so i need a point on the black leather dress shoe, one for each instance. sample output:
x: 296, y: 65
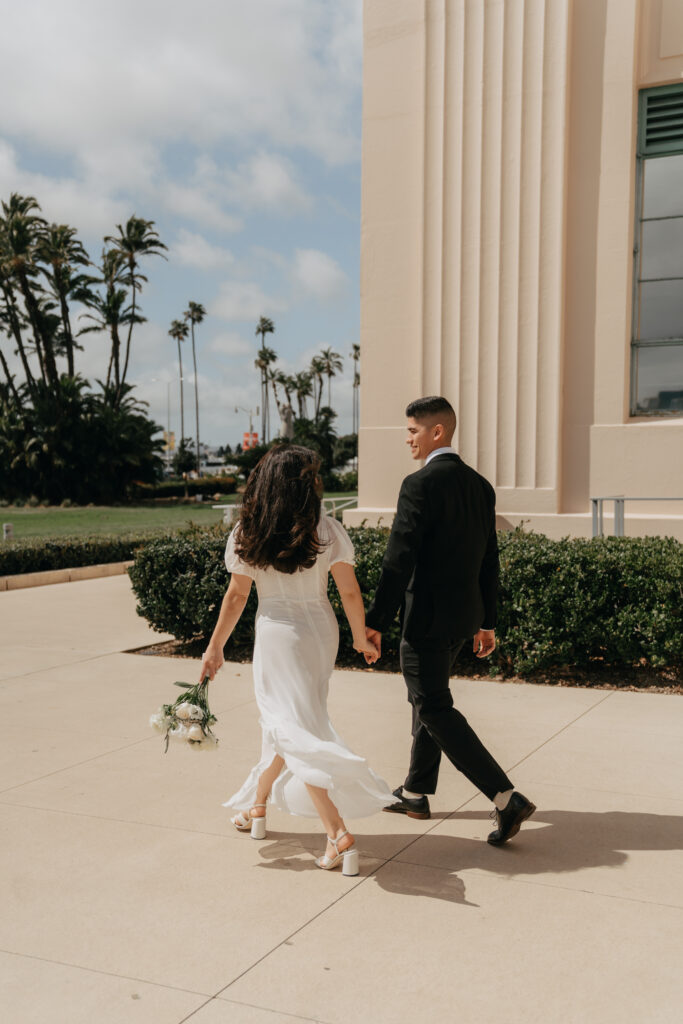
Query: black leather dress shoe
x: 510, y: 820
x: 413, y: 808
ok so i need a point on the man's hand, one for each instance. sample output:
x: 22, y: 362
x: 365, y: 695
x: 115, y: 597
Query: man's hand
x: 484, y: 642
x: 375, y: 639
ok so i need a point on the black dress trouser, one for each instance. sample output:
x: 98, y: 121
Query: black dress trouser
x: 439, y: 727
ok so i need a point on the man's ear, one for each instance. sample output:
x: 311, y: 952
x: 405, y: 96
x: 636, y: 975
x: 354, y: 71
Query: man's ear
x: 439, y: 432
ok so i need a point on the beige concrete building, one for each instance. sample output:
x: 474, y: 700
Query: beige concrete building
x: 522, y: 250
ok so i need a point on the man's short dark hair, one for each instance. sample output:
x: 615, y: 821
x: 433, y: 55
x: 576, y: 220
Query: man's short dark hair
x: 431, y: 408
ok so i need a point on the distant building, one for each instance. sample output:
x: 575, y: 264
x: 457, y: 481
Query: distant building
x: 522, y: 250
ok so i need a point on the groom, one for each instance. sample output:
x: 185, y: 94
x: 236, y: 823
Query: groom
x: 441, y: 568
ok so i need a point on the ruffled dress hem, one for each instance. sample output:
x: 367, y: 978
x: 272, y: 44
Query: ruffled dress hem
x: 353, y: 787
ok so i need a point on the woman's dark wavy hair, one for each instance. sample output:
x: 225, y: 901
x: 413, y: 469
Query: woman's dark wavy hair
x: 280, y: 511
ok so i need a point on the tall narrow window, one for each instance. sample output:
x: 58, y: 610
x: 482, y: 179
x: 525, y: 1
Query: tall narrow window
x: 657, y: 339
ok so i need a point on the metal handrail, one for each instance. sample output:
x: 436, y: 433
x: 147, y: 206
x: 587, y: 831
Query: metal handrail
x: 597, y: 508
x: 333, y: 505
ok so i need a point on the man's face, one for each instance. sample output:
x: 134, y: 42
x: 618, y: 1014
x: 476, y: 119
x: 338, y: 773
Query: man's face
x: 423, y: 438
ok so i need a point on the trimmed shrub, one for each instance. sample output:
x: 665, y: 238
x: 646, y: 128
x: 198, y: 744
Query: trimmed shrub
x: 574, y: 602
x: 36, y: 554
x: 176, y: 488
x: 180, y: 581
x: 570, y: 603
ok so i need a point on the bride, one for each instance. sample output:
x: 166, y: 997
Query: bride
x: 287, y: 547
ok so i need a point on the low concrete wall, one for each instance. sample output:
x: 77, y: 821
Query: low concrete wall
x: 41, y: 579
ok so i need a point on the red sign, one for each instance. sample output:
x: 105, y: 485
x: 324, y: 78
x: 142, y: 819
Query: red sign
x: 249, y: 440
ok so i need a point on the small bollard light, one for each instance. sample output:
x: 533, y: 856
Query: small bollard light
x: 7, y: 531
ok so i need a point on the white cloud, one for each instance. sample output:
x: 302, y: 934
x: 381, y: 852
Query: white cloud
x: 268, y: 180
x: 193, y: 203
x: 318, y: 274
x: 289, y: 72
x: 232, y: 344
x: 193, y: 250
x: 243, y: 300
x: 63, y: 200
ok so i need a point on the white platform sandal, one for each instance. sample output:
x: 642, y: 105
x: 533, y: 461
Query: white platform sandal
x: 348, y: 858
x: 246, y: 823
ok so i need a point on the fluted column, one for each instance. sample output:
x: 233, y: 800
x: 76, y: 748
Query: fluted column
x: 477, y: 149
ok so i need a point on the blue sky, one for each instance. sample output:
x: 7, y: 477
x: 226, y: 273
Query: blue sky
x: 236, y: 128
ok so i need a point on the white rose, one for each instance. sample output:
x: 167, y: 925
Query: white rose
x: 184, y: 710
x: 159, y: 720
x: 195, y: 732
x: 178, y: 733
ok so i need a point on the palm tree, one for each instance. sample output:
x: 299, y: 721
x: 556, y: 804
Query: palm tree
x: 355, y: 355
x: 263, y: 327
x: 266, y: 356
x: 61, y: 252
x: 194, y: 314
x: 179, y: 331
x: 111, y: 313
x: 137, y: 239
x: 317, y: 371
x: 303, y: 388
x: 288, y: 384
x: 19, y: 231
x: 332, y: 362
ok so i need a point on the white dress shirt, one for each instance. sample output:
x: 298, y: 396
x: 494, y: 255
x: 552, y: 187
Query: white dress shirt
x: 440, y: 451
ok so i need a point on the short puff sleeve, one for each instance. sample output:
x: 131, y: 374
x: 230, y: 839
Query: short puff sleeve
x: 340, y: 547
x: 233, y: 562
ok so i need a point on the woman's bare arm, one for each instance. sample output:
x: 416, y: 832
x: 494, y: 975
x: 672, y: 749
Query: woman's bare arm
x: 352, y: 601
x: 231, y: 609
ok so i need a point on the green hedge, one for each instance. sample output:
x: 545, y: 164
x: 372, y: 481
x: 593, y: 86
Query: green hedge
x: 36, y: 554
x: 207, y: 485
x: 574, y: 603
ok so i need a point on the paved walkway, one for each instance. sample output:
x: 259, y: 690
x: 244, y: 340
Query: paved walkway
x: 127, y: 897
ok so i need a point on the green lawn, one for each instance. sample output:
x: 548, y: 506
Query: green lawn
x: 80, y: 522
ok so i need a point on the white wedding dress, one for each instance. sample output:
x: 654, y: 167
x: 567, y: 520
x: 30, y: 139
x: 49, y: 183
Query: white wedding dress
x: 296, y: 644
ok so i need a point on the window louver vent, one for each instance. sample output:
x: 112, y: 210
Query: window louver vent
x: 661, y: 121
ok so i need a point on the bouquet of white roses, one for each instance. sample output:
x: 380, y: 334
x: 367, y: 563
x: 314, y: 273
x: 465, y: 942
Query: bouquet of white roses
x: 189, y: 719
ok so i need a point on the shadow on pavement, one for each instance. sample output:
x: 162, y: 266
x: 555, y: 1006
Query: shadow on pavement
x: 553, y: 841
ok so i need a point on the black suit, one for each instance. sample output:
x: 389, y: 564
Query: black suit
x: 441, y: 570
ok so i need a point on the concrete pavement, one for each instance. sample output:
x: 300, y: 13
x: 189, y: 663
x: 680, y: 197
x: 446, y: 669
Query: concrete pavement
x: 127, y: 897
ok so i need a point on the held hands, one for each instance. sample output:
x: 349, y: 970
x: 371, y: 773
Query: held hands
x: 484, y: 643
x: 369, y: 647
x: 212, y: 660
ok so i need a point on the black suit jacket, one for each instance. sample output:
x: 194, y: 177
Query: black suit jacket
x: 441, y: 562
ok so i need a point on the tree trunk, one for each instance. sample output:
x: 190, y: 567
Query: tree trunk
x: 196, y: 396
x: 130, y: 333
x: 16, y: 333
x: 66, y: 324
x: 47, y: 361
x: 10, y: 378
x: 116, y: 355
x: 182, y: 407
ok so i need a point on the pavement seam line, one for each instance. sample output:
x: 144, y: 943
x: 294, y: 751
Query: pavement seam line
x: 391, y: 859
x: 253, y: 1006
x: 97, y: 757
x: 568, y: 725
x: 475, y: 795
x: 122, y: 821
x: 549, y: 885
x: 51, y: 668
x: 77, y: 764
x: 106, y: 974
x: 287, y: 938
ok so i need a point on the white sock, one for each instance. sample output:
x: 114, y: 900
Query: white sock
x: 411, y: 796
x: 501, y: 799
